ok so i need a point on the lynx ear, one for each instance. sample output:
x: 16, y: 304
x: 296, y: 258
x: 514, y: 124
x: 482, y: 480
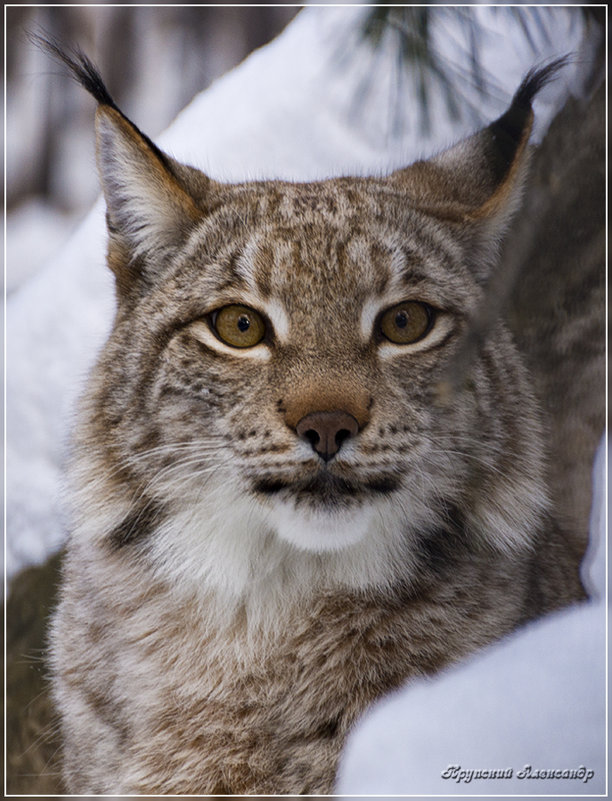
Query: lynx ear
x: 147, y: 206
x: 150, y: 209
x: 479, y: 180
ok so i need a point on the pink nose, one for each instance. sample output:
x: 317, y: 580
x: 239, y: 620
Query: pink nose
x: 327, y: 431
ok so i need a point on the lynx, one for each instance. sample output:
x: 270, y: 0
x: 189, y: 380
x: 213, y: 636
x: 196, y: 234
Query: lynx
x: 281, y: 507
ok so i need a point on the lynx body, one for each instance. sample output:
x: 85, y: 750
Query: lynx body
x: 278, y: 514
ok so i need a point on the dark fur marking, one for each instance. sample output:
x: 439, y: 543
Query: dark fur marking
x: 439, y: 549
x: 434, y: 551
x: 328, y: 488
x: 384, y: 484
x: 137, y: 525
x: 272, y: 449
x: 270, y: 486
x: 328, y: 730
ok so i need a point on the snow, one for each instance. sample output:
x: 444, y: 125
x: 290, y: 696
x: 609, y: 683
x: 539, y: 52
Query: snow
x: 290, y: 111
x: 25, y: 252
x: 55, y: 323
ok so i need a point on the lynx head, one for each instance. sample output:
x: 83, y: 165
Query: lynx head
x: 267, y: 397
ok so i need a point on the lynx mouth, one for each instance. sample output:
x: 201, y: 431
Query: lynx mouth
x: 323, y: 511
x: 326, y: 489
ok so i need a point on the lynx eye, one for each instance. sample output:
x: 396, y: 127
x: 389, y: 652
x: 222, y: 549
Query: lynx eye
x: 238, y: 326
x: 407, y: 322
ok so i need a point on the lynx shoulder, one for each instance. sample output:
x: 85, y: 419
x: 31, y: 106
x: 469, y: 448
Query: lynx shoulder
x: 274, y: 518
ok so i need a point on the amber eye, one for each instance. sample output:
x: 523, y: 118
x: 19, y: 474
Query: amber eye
x: 407, y: 322
x: 239, y: 326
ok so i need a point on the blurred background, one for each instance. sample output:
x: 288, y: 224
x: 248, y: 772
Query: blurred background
x: 154, y: 60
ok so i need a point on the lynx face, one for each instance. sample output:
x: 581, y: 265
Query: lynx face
x: 278, y: 383
x: 270, y: 391
x: 296, y: 361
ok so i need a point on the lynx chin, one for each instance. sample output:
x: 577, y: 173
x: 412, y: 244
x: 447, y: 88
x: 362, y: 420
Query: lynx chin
x: 274, y: 520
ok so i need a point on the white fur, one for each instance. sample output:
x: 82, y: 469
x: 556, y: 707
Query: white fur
x: 139, y: 202
x: 278, y: 316
x: 320, y: 531
x: 269, y: 556
x: 368, y: 314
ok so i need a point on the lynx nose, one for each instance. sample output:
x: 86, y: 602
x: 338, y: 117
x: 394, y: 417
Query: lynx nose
x: 326, y: 431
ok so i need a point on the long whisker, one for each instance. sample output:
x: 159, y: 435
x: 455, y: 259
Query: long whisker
x: 162, y: 475
x: 199, y: 447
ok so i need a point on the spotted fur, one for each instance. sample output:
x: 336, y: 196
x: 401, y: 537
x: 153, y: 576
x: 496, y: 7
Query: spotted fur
x: 231, y: 602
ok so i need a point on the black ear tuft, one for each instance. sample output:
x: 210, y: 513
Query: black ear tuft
x: 82, y: 69
x: 85, y: 72
x: 509, y: 129
x: 536, y: 79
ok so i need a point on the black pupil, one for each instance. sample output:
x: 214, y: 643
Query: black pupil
x: 401, y: 319
x: 244, y: 323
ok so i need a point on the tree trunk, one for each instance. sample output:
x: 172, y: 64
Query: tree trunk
x: 557, y: 304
